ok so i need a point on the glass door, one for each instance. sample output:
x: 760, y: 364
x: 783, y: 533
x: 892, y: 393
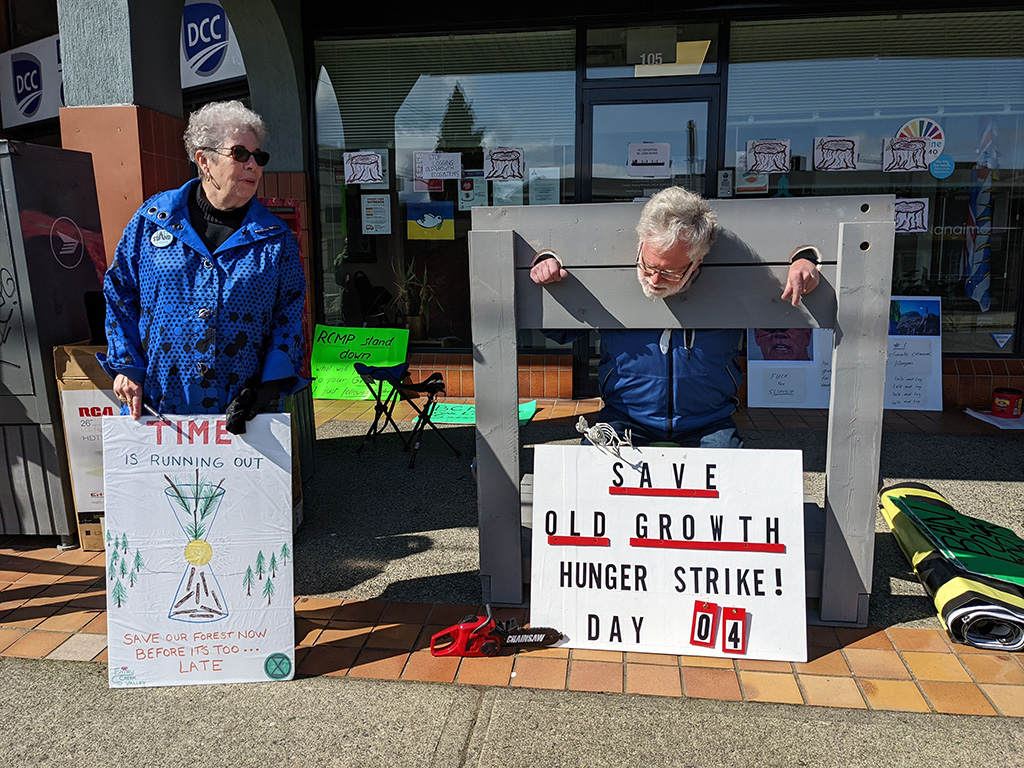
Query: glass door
x: 639, y: 140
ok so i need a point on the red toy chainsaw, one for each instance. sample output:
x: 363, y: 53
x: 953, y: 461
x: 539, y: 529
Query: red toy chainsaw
x: 483, y: 636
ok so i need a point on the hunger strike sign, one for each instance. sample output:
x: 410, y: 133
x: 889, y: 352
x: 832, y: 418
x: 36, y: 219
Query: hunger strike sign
x: 199, y: 551
x: 671, y: 550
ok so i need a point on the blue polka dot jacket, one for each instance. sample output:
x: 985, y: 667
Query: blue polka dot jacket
x: 194, y: 327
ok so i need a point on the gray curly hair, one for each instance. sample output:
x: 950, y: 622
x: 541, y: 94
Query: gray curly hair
x: 213, y: 125
x: 676, y: 214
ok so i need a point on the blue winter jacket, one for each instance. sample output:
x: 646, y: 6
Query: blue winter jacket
x: 674, y: 392
x: 192, y: 327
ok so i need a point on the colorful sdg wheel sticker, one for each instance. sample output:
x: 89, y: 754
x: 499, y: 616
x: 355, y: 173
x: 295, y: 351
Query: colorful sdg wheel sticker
x: 925, y: 128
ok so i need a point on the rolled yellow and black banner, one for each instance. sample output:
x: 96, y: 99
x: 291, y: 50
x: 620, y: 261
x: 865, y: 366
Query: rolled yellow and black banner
x: 973, y: 570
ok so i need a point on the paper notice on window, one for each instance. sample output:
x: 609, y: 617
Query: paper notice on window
x: 376, y: 214
x: 649, y: 159
x: 544, y: 186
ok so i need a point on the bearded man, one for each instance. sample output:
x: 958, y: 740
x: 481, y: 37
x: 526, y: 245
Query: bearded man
x: 676, y: 386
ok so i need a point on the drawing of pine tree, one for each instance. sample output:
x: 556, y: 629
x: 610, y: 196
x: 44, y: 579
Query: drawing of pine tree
x: 268, y: 590
x: 112, y: 571
x: 108, y: 538
x: 124, y: 568
x: 285, y: 553
x: 132, y: 578
x: 124, y: 543
x: 261, y: 565
x: 114, y: 557
x: 139, y: 565
x: 119, y: 594
x: 247, y: 581
x: 273, y: 565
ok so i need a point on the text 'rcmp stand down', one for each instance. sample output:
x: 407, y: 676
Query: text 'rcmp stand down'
x: 740, y: 287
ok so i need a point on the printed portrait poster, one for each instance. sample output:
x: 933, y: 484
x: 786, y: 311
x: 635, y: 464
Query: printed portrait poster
x: 671, y: 550
x: 430, y: 221
x: 789, y: 367
x: 199, y: 551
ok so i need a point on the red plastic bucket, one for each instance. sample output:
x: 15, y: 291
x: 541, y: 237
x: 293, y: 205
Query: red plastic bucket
x: 1007, y: 403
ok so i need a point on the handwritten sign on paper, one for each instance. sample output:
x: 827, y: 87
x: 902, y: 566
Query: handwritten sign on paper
x: 336, y: 350
x: 199, y: 551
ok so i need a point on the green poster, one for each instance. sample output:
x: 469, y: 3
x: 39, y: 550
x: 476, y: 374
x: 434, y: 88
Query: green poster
x: 335, y: 350
x: 977, y: 546
x: 459, y: 413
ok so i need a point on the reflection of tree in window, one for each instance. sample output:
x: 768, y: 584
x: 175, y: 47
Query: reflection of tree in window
x: 906, y: 155
x: 837, y: 155
x: 768, y: 157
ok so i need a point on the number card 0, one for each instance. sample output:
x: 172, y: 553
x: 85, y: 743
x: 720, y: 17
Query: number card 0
x: 705, y: 622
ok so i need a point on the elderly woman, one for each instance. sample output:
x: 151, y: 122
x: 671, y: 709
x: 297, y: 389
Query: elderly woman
x: 206, y: 293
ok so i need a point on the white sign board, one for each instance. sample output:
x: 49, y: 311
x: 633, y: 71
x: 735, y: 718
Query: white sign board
x: 199, y: 551
x: 649, y: 159
x: 209, y: 48
x: 671, y: 550
x: 31, y: 82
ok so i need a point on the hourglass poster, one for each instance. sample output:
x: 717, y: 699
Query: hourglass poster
x: 198, y: 551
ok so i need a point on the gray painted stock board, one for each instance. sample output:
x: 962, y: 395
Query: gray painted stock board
x: 740, y: 287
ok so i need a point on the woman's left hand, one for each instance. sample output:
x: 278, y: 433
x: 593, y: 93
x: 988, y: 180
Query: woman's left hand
x: 129, y: 393
x: 803, y: 278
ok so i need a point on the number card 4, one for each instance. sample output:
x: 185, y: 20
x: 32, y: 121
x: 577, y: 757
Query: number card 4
x: 734, y: 630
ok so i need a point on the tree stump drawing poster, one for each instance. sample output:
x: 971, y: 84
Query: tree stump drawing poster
x: 199, y: 551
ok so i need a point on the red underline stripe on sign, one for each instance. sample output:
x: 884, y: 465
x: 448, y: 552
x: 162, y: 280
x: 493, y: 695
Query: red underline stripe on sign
x: 711, y: 546
x: 690, y: 493
x: 579, y: 541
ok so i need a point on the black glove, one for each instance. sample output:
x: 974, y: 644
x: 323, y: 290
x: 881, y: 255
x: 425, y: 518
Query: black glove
x: 252, y: 401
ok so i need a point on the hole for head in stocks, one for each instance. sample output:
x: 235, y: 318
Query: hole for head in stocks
x: 865, y: 208
x: 865, y: 245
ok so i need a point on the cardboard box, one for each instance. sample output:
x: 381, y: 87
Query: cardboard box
x: 91, y: 533
x: 86, y: 396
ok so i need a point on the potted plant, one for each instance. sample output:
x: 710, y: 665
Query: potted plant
x: 414, y: 296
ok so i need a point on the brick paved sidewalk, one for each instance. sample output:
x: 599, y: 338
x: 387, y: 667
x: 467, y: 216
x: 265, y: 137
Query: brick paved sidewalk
x: 52, y: 605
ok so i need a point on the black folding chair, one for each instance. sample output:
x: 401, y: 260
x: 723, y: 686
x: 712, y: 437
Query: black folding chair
x: 375, y: 378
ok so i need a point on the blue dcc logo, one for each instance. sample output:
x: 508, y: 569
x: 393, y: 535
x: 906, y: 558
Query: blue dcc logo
x: 204, y: 32
x: 28, y: 83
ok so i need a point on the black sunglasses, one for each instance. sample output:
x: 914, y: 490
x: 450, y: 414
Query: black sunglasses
x: 242, y: 154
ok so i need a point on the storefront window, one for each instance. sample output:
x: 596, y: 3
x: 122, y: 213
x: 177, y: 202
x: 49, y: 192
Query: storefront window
x: 926, y: 107
x: 652, y: 51
x: 411, y: 134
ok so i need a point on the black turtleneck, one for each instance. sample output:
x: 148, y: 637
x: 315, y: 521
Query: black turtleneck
x: 213, y: 225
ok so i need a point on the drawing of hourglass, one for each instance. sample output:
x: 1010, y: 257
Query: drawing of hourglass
x: 199, y: 598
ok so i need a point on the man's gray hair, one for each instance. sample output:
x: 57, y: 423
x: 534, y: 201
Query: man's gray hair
x: 214, y: 125
x: 676, y: 214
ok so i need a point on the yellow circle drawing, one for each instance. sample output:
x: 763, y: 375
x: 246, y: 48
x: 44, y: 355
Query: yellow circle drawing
x: 198, y: 552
